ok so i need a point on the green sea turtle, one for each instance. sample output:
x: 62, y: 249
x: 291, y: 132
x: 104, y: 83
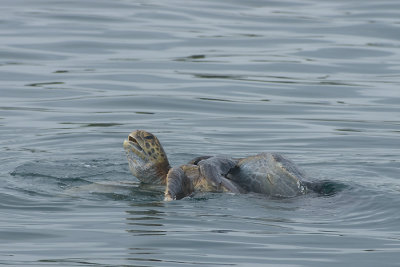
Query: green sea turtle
x: 266, y: 173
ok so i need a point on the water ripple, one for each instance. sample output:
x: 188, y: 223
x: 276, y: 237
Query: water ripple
x: 315, y: 80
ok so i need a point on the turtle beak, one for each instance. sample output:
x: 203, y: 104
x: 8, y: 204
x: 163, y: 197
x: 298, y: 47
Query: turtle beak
x: 133, y: 141
x: 132, y: 144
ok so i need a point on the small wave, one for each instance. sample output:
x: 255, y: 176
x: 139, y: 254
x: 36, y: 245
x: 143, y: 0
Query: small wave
x: 52, y: 178
x: 327, y: 187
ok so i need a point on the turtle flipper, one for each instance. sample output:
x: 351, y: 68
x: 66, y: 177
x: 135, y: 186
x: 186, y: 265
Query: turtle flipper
x: 214, y: 169
x: 178, y: 185
x: 196, y: 160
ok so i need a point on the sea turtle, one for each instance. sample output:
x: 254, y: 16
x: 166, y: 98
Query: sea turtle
x: 267, y: 173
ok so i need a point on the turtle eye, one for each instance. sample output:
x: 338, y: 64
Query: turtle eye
x: 149, y: 137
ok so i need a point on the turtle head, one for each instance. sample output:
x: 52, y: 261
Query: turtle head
x: 146, y: 157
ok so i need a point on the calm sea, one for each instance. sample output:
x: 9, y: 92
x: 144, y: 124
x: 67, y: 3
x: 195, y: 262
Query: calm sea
x: 318, y: 81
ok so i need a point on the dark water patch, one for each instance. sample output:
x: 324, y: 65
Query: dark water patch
x: 61, y: 71
x: 382, y: 44
x: 84, y: 18
x: 124, y: 59
x: 70, y: 262
x: 216, y: 76
x: 338, y: 83
x: 11, y: 63
x: 192, y: 58
x: 349, y: 130
x: 144, y: 113
x: 214, y: 99
x: 25, y: 109
x: 101, y: 125
x: 44, y: 84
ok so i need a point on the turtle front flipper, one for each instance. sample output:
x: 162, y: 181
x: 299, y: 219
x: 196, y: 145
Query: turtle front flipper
x: 214, y: 170
x: 196, y: 160
x: 178, y: 185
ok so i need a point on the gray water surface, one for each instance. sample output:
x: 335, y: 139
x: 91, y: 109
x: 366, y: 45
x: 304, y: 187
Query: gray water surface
x: 315, y: 80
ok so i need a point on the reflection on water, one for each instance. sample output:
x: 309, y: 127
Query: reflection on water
x: 315, y: 80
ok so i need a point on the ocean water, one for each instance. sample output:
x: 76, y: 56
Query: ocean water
x: 318, y: 81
